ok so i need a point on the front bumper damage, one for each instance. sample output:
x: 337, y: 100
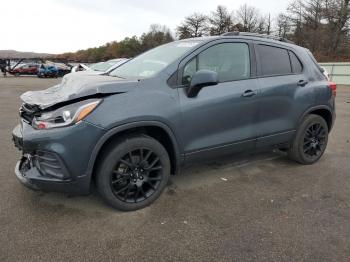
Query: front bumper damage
x: 22, y: 176
x: 53, y: 160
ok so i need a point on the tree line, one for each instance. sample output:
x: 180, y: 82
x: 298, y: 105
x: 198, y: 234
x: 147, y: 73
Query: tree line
x: 126, y: 48
x: 319, y: 25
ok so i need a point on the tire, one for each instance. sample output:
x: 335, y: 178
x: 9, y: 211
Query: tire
x: 310, y: 141
x: 130, y: 183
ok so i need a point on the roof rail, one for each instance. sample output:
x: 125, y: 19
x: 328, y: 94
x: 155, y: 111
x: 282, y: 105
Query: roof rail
x: 277, y: 38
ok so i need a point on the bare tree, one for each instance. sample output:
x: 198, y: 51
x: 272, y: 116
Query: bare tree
x: 262, y: 25
x: 220, y: 21
x: 337, y: 14
x: 313, y: 27
x: 283, y: 25
x: 195, y: 25
x: 268, y: 25
x: 248, y: 17
x: 295, y: 15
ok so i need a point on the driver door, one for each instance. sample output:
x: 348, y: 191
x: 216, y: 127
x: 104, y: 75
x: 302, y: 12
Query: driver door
x: 222, y: 118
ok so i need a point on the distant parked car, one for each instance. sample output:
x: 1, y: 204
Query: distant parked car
x: 25, y: 69
x: 94, y: 69
x: 79, y: 67
x: 108, y: 65
x: 63, y: 71
x: 48, y: 71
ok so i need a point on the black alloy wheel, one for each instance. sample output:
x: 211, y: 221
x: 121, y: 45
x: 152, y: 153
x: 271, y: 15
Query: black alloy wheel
x: 136, y: 176
x: 314, y: 140
x: 310, y: 141
x: 132, y: 172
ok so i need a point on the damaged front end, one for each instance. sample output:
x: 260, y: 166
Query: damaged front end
x: 37, y: 165
x: 74, y: 88
x: 52, y: 133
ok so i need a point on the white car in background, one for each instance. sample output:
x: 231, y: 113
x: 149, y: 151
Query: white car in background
x: 325, y: 73
x: 101, y: 67
x: 94, y: 70
x: 79, y: 68
x: 109, y: 65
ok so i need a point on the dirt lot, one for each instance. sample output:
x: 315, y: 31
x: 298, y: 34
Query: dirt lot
x: 268, y: 209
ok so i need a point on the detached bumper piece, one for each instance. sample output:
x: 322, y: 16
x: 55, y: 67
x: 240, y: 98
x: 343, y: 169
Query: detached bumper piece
x: 42, y: 171
x: 38, y: 174
x: 22, y: 178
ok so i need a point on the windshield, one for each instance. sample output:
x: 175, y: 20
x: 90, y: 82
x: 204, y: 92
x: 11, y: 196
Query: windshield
x: 105, y: 66
x: 152, y: 62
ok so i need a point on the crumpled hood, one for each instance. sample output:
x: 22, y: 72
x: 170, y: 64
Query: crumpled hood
x: 76, y: 86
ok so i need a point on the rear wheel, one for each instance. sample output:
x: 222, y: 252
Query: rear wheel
x: 310, y: 141
x: 133, y: 172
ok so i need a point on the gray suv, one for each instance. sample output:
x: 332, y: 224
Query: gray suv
x: 183, y: 102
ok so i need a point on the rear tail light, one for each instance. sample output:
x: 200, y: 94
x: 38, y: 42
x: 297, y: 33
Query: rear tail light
x: 333, y: 87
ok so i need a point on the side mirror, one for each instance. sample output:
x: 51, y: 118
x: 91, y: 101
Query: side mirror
x: 201, y: 79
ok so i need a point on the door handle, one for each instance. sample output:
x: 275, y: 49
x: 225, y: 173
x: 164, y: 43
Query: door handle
x: 249, y: 93
x: 302, y: 82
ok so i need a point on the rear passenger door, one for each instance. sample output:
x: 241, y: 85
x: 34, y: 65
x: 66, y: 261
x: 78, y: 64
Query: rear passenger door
x: 280, y: 76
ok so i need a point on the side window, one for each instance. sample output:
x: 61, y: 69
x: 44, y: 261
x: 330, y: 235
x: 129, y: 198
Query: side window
x: 230, y: 60
x: 189, y: 70
x: 296, y: 64
x: 274, y: 60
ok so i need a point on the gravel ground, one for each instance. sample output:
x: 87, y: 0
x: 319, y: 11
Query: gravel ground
x: 259, y: 207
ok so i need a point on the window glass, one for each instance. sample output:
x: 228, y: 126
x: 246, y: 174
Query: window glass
x: 296, y: 64
x: 189, y: 70
x: 155, y: 60
x: 274, y: 60
x: 230, y: 60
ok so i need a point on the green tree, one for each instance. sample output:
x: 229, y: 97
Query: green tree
x: 129, y: 47
x: 157, y: 35
x: 195, y: 25
x: 220, y: 21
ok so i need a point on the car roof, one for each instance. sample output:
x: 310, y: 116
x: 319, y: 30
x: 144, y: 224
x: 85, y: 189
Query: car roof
x: 257, y: 37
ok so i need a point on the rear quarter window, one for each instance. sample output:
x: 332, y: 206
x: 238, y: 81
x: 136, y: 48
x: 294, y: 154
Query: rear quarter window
x: 296, y: 64
x: 274, y: 60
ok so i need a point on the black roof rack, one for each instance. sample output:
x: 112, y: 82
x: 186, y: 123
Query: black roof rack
x: 277, y: 38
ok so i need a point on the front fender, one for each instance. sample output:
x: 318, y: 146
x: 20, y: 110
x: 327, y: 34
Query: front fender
x: 110, y: 133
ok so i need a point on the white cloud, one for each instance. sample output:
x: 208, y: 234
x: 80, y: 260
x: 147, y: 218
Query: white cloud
x: 56, y: 26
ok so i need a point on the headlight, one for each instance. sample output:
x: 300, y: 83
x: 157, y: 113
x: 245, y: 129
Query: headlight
x: 65, y: 116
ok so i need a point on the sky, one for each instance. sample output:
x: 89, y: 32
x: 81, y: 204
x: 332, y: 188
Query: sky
x: 57, y: 26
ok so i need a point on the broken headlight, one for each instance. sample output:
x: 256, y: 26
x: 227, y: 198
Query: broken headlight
x: 65, y: 116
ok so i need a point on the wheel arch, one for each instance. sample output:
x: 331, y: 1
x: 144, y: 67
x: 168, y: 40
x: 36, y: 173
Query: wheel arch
x: 323, y: 111
x: 155, y: 129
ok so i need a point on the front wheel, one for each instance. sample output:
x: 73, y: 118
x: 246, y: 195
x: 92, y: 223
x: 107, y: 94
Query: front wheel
x: 133, y: 172
x: 310, y: 141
